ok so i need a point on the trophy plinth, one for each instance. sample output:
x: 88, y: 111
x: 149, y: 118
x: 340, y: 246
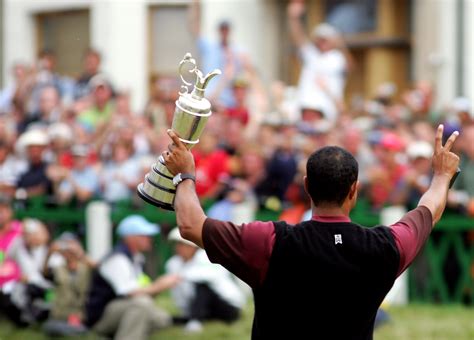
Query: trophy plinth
x: 190, y: 117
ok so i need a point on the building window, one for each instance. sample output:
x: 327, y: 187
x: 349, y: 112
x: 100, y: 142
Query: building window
x: 352, y: 17
x: 67, y: 35
x: 168, y: 49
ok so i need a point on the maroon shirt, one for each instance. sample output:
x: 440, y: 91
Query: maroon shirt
x: 245, y: 249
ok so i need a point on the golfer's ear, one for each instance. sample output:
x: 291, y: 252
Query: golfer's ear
x: 354, y: 188
x: 305, y: 181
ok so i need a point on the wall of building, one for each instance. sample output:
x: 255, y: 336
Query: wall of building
x: 436, y: 46
x: 120, y: 30
x: 468, y: 49
x: 1, y: 43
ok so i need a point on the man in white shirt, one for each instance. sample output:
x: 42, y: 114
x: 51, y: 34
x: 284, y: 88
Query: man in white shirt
x: 324, y: 65
x: 120, y: 301
x: 206, y: 291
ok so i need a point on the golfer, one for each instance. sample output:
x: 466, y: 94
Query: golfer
x: 323, y: 278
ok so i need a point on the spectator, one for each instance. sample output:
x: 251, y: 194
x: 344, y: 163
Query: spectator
x: 386, y: 178
x: 91, y: 67
x: 45, y: 75
x: 35, y: 181
x: 10, y: 231
x: 82, y: 182
x: 211, y: 166
x: 240, y: 111
x: 10, y: 169
x: 221, y: 54
x: 322, y: 78
x: 71, y: 278
x: 28, y: 296
x: 49, y: 110
x: 119, y: 176
x: 18, y: 90
x: 100, y: 112
x: 418, y: 176
x: 463, y: 197
x: 120, y: 301
x: 61, y: 139
x: 205, y: 291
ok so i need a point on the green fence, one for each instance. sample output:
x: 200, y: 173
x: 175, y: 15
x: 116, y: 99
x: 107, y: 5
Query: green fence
x: 443, y: 272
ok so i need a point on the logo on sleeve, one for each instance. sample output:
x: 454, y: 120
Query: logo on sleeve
x: 337, y: 239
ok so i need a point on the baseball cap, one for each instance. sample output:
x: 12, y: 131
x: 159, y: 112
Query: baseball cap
x: 419, y: 149
x: 325, y: 31
x: 461, y: 104
x: 392, y: 142
x: 137, y: 225
x: 175, y: 236
x: 60, y: 131
x: 80, y: 150
x: 98, y: 80
x: 33, y: 137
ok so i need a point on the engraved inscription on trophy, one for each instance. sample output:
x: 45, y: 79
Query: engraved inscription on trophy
x: 189, y: 119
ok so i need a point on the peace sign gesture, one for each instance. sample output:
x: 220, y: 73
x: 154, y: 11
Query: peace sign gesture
x: 444, y: 162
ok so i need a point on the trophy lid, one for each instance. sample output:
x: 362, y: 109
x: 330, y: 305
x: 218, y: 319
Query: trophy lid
x: 201, y: 80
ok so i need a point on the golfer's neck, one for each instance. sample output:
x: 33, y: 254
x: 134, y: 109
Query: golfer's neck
x: 330, y: 211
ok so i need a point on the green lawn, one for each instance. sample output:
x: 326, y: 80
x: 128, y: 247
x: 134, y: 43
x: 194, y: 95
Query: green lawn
x: 413, y: 322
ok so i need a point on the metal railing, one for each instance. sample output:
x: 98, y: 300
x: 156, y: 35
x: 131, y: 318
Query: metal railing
x: 443, y: 272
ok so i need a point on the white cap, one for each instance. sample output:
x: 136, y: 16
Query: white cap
x: 420, y: 149
x: 461, y: 104
x: 60, y: 131
x: 33, y: 137
x: 325, y: 30
x: 175, y: 236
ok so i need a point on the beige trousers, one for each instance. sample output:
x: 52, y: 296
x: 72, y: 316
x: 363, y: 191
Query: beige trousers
x: 132, y: 318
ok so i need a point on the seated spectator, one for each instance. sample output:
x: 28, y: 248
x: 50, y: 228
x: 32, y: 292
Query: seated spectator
x: 120, y: 302
x: 418, y: 176
x: 100, y: 112
x: 71, y: 280
x: 280, y: 172
x: 91, y: 67
x: 34, y: 181
x: 49, y: 109
x: 82, y: 182
x: 120, y: 176
x: 240, y: 110
x: 463, y: 195
x: 10, y: 169
x: 61, y: 138
x: 10, y: 231
x: 385, y: 180
x: 211, y: 166
x: 206, y: 291
x: 27, y: 297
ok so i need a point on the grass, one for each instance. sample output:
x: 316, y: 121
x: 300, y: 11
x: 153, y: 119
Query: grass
x: 413, y: 322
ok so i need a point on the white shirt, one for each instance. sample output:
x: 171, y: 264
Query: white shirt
x: 11, y: 169
x: 200, y: 270
x: 329, y: 67
x: 122, y: 274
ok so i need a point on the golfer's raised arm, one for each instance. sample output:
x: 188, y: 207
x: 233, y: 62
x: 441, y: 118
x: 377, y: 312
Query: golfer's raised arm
x: 189, y: 214
x: 445, y: 164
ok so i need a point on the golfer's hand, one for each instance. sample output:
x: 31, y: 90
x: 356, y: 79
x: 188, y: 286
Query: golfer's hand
x: 178, y: 159
x: 444, y: 162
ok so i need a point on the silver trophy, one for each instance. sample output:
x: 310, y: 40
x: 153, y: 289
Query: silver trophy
x: 190, y: 116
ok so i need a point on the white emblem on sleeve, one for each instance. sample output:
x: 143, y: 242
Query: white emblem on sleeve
x: 337, y: 239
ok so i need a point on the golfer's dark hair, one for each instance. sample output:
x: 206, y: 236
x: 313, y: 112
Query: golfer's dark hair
x: 331, y: 171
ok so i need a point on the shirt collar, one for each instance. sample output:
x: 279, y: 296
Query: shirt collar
x: 332, y: 219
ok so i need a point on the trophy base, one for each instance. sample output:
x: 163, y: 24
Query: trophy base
x: 144, y: 196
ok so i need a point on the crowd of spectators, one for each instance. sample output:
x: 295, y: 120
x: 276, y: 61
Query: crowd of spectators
x: 73, y: 140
